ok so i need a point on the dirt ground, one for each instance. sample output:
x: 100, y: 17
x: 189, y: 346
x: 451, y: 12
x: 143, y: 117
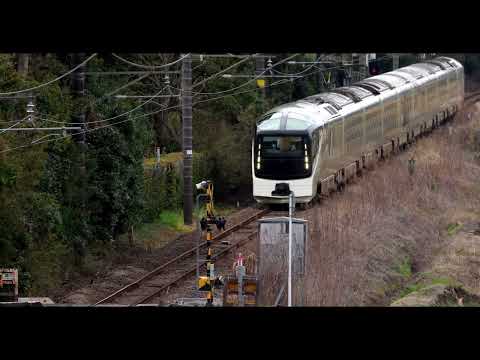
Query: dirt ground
x: 131, y: 264
x: 453, y: 278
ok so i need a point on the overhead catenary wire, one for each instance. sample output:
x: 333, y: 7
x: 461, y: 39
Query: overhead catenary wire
x: 122, y: 114
x: 200, y: 101
x: 245, y: 83
x: 11, y: 127
x: 175, y: 107
x: 155, y: 112
x: 51, y: 81
x: 317, y: 61
x: 149, y: 66
x: 242, y: 85
x: 122, y: 87
x: 222, y: 92
x: 171, y: 87
x: 222, y: 71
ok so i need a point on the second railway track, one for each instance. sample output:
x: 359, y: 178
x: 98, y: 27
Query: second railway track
x: 154, y: 283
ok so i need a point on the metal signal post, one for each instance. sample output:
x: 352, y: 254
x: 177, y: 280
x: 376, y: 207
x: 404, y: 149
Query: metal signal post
x: 207, y: 283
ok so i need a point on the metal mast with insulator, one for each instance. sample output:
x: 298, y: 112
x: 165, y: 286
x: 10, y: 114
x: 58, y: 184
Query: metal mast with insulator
x: 187, y: 139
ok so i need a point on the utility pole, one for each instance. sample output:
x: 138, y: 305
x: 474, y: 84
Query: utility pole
x: 78, y: 92
x: 22, y: 64
x: 319, y: 77
x: 396, y: 61
x: 261, y: 81
x: 291, y: 207
x: 187, y: 138
x: 260, y: 69
x: 78, y: 117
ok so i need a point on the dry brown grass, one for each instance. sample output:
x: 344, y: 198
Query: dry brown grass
x: 367, y: 240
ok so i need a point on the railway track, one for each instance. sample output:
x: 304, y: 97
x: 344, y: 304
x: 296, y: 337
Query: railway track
x: 472, y: 96
x: 154, y: 283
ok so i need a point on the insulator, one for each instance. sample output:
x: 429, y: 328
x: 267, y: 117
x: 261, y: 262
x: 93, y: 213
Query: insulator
x: 30, y: 107
x: 269, y: 63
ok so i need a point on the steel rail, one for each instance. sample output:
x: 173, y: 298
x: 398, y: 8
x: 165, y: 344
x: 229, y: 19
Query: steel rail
x: 157, y: 270
x: 193, y: 268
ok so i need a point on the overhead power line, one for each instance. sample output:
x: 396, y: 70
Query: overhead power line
x: 11, y: 127
x: 149, y: 66
x: 283, y: 81
x: 222, y: 71
x: 51, y: 81
x: 193, y: 92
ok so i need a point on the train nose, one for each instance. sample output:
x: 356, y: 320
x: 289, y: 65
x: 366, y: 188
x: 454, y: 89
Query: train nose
x: 281, y: 189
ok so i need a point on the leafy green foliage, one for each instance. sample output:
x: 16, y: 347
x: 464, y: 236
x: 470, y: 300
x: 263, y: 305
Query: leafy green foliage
x: 60, y: 205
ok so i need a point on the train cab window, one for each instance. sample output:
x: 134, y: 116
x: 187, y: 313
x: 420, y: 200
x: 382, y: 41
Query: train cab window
x: 296, y: 122
x: 270, y: 122
x: 272, y: 145
x: 282, y: 156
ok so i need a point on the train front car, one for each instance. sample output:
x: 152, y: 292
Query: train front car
x: 284, y: 155
x: 324, y: 139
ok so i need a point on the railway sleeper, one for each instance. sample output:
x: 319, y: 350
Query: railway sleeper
x: 359, y: 166
x: 327, y: 185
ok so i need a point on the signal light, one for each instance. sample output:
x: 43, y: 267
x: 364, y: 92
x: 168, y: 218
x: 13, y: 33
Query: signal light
x: 261, y: 83
x: 204, y: 283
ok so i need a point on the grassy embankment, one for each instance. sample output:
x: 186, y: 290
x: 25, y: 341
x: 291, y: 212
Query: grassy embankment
x: 169, y: 224
x: 377, y: 241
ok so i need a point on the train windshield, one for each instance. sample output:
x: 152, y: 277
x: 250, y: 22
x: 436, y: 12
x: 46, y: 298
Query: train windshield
x: 282, y: 145
x: 282, y: 156
x: 270, y: 122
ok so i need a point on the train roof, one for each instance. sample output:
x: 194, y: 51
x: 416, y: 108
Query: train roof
x: 299, y: 115
x: 319, y: 108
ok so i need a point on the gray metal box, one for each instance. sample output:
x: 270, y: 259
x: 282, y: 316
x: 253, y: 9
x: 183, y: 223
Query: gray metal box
x: 273, y: 259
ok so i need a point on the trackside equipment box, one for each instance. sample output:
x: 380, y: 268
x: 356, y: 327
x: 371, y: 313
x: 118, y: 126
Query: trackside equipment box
x: 8, y: 285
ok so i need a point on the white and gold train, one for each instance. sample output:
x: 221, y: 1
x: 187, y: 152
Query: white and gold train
x: 312, y: 146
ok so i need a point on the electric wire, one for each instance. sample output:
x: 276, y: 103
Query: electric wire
x: 149, y: 66
x: 148, y: 114
x: 122, y: 114
x: 169, y: 108
x: 215, y: 93
x: 171, y: 87
x: 51, y: 81
x: 243, y: 84
x: 11, y: 127
x: 222, y: 71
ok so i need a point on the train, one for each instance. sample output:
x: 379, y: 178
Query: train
x: 313, y: 146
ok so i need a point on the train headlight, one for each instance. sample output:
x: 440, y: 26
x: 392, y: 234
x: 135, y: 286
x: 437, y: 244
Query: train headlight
x: 202, y: 185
